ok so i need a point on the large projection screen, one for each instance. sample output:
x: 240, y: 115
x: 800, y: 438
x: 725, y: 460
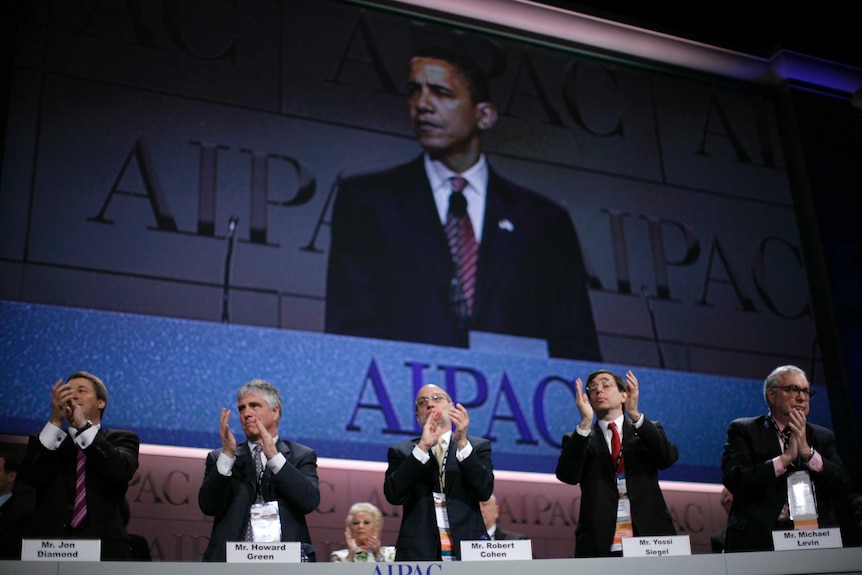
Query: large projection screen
x: 137, y: 137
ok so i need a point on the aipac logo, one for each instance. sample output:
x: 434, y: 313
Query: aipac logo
x: 407, y: 569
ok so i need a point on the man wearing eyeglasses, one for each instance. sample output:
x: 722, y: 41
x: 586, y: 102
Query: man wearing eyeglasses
x: 440, y: 488
x: 764, y: 454
x: 620, y: 494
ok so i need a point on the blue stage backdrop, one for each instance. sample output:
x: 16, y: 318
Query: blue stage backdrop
x: 347, y: 397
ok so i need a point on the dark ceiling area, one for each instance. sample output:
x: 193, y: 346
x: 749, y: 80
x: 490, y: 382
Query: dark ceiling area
x: 747, y: 27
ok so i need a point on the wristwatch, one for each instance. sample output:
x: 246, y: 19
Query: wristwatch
x: 810, y: 455
x: 86, y: 426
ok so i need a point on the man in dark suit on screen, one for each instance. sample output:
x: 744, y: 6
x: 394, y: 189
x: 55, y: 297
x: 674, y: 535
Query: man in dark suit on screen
x: 85, y: 505
x: 263, y: 469
x: 442, y: 473
x: 443, y: 245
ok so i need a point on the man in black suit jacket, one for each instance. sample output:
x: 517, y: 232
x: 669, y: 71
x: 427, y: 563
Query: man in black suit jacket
x: 391, y: 273
x: 16, y: 507
x: 50, y: 462
x: 490, y: 513
x: 231, y: 483
x: 138, y: 544
x: 414, y: 480
x: 586, y: 461
x: 755, y: 464
x: 716, y: 540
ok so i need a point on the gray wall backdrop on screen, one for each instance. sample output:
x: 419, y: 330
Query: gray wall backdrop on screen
x: 134, y: 136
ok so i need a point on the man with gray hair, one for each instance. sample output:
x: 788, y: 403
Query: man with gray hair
x: 784, y: 471
x: 259, y: 477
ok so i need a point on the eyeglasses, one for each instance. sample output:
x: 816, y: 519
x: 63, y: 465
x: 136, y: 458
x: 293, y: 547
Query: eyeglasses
x: 795, y: 390
x: 435, y: 398
x: 604, y: 387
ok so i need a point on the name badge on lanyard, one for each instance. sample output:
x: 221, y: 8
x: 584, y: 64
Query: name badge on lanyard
x: 624, y: 515
x: 801, y: 504
x: 442, y: 515
x: 621, y: 484
x: 265, y: 521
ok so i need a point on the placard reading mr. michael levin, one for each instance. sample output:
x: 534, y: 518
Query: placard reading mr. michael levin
x: 807, y: 539
x: 496, y: 550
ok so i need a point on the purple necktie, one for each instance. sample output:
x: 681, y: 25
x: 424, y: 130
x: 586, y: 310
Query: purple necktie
x: 79, y: 512
x: 258, y: 470
x: 463, y: 247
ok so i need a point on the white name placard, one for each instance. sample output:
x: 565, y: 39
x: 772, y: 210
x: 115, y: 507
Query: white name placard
x: 807, y: 539
x: 496, y: 550
x: 61, y: 550
x: 272, y: 552
x: 656, y: 546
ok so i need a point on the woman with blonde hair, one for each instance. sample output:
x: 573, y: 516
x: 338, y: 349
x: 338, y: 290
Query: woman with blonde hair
x: 362, y: 532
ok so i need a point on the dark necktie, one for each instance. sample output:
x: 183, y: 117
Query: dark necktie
x: 258, y: 468
x: 616, y: 448
x: 464, y: 250
x: 79, y: 511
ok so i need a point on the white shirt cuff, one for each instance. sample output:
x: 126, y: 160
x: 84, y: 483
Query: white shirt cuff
x: 463, y: 454
x: 422, y: 456
x: 276, y: 463
x: 52, y: 436
x: 224, y: 464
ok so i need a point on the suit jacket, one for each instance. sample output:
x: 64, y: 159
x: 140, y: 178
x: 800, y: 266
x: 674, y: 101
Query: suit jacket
x: 716, y: 540
x: 390, y: 268
x: 112, y: 460
x: 15, y: 514
x: 586, y: 461
x: 228, y: 498
x: 140, y: 548
x: 758, y: 496
x: 503, y: 535
x: 411, y: 484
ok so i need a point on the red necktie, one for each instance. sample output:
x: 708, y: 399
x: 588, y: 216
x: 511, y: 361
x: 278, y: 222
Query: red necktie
x: 79, y: 511
x: 462, y: 246
x: 616, y: 447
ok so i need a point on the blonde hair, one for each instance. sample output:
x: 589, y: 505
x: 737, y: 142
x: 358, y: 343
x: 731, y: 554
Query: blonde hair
x: 365, y: 507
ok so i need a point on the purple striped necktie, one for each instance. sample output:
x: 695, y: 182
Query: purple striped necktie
x: 79, y: 511
x: 462, y: 246
x: 258, y: 470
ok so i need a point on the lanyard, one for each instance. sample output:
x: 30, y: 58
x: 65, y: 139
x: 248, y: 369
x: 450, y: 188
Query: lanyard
x: 442, y: 471
x: 783, y: 436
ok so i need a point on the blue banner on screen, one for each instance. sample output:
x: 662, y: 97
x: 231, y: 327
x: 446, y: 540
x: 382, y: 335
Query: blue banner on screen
x: 347, y: 397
